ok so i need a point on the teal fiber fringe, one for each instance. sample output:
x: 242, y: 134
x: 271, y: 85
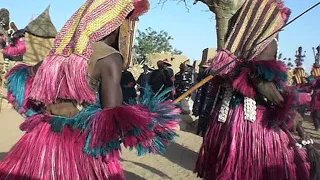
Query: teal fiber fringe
x: 16, y: 83
x: 151, y: 101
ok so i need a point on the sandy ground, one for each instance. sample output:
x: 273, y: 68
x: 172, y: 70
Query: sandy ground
x: 177, y: 163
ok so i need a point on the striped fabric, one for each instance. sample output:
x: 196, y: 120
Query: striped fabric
x: 300, y: 75
x: 315, y: 71
x: 257, y: 20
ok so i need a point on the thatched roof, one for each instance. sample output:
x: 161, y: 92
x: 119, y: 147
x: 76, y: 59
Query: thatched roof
x: 37, y: 48
x: 42, y: 26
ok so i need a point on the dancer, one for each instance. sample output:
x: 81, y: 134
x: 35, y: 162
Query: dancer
x: 11, y: 39
x: 72, y: 100
x: 161, y: 79
x: 143, y: 79
x: 315, y: 104
x: 248, y: 138
x: 128, y: 84
x: 315, y: 72
x: 299, y: 72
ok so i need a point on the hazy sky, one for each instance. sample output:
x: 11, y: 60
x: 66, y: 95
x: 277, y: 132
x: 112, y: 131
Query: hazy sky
x: 193, y: 30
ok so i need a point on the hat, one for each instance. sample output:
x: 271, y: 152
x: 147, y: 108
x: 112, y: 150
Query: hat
x: 166, y: 61
x: 63, y: 73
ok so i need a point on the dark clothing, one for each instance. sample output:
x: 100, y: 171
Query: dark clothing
x: 160, y: 79
x: 143, y: 81
x: 302, y: 110
x: 182, y: 82
x: 170, y: 72
x: 316, y: 119
x: 17, y: 58
x: 128, y: 87
x: 203, y: 103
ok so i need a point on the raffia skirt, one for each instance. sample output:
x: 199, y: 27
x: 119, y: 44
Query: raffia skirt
x: 242, y: 150
x: 42, y: 154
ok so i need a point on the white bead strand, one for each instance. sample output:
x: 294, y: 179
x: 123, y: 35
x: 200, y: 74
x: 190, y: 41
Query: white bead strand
x: 224, y: 110
x: 250, y: 109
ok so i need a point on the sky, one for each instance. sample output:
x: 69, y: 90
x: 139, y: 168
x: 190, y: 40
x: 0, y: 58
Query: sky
x: 193, y: 28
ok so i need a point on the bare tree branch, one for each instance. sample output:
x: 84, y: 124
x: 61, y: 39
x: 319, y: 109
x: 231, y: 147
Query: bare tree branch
x: 162, y: 2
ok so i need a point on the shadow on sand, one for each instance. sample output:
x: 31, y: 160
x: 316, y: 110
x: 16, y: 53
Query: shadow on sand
x: 132, y: 176
x: 186, y: 158
x: 151, y: 169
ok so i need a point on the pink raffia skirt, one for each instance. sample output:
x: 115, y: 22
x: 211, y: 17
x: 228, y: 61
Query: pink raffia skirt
x: 45, y: 155
x: 242, y: 150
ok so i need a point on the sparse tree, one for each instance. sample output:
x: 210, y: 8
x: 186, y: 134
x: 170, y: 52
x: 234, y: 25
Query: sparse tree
x: 150, y: 42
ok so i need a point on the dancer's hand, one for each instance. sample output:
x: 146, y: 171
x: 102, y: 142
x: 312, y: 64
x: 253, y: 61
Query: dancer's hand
x: 269, y: 90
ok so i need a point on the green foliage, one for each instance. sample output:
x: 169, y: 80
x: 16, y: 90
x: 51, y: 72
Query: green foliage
x: 150, y: 41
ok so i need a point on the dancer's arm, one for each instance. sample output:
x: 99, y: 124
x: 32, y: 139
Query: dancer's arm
x: 110, y: 69
x: 268, y: 89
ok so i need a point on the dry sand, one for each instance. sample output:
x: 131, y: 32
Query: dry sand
x: 177, y: 163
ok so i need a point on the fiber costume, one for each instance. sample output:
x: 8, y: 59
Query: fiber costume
x: 315, y: 102
x: 299, y: 72
x: 315, y: 72
x: 84, y: 142
x: 11, y: 39
x: 248, y: 137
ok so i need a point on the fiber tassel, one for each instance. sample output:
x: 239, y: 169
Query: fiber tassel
x: 242, y: 83
x: 222, y: 58
x: 55, y: 79
x: 18, y: 49
x: 241, y: 150
x: 107, y: 127
x: 56, y: 156
x: 19, y: 81
x: 30, y: 123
